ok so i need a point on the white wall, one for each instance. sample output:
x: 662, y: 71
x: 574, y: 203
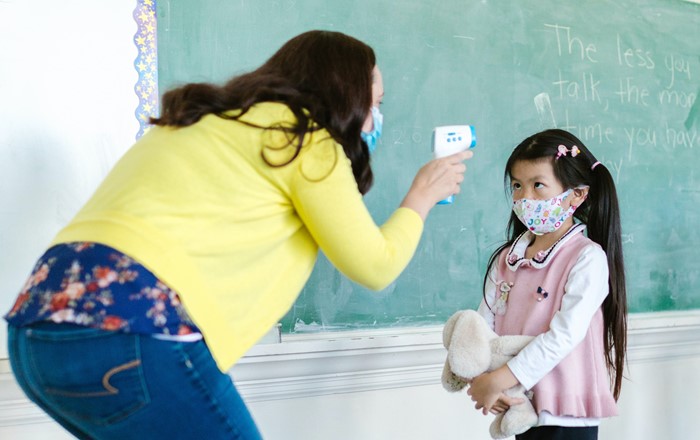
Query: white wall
x: 387, y: 386
x: 657, y: 403
x: 651, y: 409
x: 67, y: 106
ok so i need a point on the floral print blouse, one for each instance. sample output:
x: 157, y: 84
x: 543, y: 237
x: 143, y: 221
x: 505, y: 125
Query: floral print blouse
x: 97, y: 286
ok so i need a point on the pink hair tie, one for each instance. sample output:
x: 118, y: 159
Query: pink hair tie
x: 594, y: 165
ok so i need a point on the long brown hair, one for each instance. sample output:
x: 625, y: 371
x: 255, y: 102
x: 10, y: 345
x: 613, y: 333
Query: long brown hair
x: 601, y: 214
x: 324, y: 77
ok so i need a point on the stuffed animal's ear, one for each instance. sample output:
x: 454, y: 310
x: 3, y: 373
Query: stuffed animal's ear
x: 469, y: 353
x: 448, y: 329
x: 450, y: 381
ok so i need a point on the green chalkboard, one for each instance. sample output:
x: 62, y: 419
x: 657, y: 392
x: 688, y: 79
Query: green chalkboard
x: 622, y: 75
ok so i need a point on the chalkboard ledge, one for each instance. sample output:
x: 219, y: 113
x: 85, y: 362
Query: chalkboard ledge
x: 331, y: 363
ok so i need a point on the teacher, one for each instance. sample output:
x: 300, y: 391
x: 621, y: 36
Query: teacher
x: 202, y: 236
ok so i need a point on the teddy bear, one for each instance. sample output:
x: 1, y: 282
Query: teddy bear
x: 472, y: 349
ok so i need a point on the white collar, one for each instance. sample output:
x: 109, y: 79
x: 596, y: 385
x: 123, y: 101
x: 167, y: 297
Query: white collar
x: 516, y: 255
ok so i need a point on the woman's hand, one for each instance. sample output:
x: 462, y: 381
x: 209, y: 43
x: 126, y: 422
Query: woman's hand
x: 435, y: 181
x: 487, y: 389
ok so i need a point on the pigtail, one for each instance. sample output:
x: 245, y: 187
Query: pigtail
x: 604, y: 227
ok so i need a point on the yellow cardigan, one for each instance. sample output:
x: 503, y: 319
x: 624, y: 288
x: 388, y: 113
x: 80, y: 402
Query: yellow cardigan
x: 234, y: 236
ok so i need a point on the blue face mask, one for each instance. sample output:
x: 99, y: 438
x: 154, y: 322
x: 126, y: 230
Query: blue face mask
x: 372, y: 137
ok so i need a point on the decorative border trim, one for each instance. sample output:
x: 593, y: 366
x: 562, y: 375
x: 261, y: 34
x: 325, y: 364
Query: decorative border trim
x: 332, y: 363
x: 146, y: 63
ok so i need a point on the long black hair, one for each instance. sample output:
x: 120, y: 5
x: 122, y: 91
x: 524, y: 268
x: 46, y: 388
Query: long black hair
x: 601, y: 214
x: 324, y: 77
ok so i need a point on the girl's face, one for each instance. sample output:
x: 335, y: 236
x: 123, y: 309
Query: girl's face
x: 377, y: 96
x: 535, y: 180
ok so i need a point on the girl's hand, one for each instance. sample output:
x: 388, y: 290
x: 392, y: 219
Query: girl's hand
x: 435, y: 181
x: 504, y: 402
x: 488, y: 388
x: 485, y: 391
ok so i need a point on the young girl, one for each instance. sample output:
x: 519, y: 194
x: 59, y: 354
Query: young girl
x: 562, y: 281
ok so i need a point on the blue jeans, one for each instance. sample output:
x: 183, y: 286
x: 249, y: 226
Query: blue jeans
x: 111, y: 385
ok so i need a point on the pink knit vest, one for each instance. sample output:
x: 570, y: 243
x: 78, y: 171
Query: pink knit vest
x: 579, y: 386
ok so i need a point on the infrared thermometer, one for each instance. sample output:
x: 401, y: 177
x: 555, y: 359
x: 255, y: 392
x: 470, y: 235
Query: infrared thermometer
x: 451, y: 139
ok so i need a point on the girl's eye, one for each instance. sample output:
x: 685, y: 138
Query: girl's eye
x: 514, y: 186
x: 539, y: 185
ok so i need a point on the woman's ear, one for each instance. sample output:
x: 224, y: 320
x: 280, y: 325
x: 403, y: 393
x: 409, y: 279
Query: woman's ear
x: 578, y: 196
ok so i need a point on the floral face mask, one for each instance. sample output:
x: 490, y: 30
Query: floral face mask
x: 543, y: 216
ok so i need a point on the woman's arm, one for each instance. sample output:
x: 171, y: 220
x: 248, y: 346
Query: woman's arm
x: 334, y: 212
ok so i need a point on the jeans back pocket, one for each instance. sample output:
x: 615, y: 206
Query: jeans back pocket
x: 87, y: 374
